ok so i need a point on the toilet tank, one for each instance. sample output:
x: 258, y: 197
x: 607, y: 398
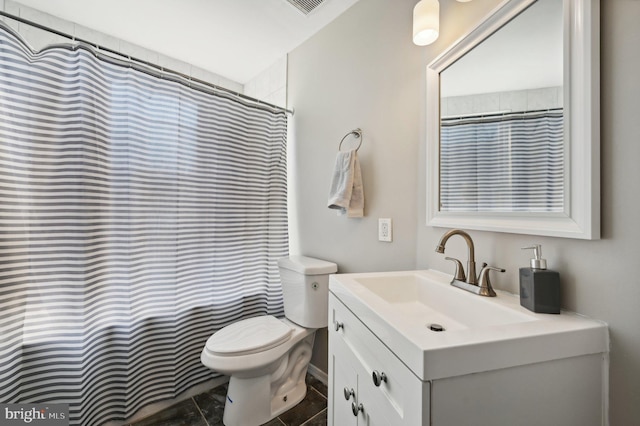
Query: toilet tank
x: 305, y: 289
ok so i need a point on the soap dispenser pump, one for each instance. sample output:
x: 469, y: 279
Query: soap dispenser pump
x: 539, y: 287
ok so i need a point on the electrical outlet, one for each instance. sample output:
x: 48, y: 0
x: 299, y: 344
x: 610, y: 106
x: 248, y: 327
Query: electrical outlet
x: 384, y: 230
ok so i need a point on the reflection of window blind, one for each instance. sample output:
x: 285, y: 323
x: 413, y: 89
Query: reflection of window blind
x: 510, y: 162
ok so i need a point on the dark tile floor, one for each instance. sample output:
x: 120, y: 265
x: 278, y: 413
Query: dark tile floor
x: 206, y: 409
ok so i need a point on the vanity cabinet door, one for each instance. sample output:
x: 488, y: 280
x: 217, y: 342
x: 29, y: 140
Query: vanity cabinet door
x: 343, y: 385
x: 352, y: 400
x: 395, y: 397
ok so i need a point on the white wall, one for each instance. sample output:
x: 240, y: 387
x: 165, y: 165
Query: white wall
x: 363, y: 70
x: 512, y: 101
x: 358, y: 72
x: 270, y: 85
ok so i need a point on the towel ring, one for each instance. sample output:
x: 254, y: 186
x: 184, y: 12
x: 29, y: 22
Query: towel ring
x: 357, y: 133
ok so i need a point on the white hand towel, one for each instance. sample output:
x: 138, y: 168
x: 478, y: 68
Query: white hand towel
x: 346, y: 193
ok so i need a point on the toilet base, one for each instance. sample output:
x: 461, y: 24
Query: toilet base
x: 256, y: 400
x: 253, y: 405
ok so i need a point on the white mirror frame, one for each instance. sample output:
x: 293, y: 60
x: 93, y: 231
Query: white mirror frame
x: 582, y: 123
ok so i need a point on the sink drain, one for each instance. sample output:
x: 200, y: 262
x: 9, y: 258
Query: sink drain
x: 435, y: 327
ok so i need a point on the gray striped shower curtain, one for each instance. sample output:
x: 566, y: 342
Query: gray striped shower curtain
x: 138, y: 215
x: 510, y: 162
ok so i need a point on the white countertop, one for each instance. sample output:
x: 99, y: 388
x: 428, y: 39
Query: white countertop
x: 481, y: 333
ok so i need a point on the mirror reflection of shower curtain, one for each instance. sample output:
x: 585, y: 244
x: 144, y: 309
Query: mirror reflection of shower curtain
x: 503, y: 163
x: 138, y: 215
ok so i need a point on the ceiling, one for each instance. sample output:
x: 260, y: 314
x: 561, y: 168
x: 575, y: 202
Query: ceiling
x: 236, y: 39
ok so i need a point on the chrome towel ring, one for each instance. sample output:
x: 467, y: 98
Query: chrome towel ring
x: 357, y: 133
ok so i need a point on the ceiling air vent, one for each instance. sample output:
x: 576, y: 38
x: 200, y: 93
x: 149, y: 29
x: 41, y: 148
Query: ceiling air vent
x: 306, y: 6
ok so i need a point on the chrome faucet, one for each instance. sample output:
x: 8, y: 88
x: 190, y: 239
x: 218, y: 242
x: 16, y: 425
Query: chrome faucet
x: 470, y: 282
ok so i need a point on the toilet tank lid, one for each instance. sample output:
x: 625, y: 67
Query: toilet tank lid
x: 307, y: 265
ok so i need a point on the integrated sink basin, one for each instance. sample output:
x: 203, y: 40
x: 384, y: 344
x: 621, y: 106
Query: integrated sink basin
x: 419, y: 298
x: 471, y: 334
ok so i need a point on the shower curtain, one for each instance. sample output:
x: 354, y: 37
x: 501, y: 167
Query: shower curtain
x: 138, y: 215
x: 511, y: 162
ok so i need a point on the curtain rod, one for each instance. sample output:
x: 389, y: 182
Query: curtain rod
x: 500, y: 115
x: 98, y: 49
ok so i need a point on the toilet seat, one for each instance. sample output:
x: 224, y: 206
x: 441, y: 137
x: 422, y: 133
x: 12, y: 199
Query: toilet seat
x: 249, y: 336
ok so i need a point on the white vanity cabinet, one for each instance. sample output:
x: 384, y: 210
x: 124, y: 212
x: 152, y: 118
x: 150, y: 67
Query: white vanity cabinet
x: 396, y: 397
x: 491, y: 362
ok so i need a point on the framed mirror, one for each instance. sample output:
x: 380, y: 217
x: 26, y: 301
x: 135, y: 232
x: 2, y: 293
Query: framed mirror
x: 513, y: 135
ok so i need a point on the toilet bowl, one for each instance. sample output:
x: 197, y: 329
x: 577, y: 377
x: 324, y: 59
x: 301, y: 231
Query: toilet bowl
x: 267, y: 357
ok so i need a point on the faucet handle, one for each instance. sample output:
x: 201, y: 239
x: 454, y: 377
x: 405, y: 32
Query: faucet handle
x: 459, y: 274
x: 484, y: 282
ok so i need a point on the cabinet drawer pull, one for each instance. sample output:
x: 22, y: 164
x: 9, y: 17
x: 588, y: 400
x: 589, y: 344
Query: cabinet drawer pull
x: 348, y: 393
x: 356, y: 408
x: 339, y: 325
x: 378, y: 378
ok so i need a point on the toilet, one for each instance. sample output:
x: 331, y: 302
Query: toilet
x: 267, y: 357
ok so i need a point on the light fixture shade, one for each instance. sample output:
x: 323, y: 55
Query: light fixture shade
x: 426, y: 22
x: 464, y: 1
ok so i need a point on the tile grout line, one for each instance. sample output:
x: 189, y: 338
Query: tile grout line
x: 320, y: 393
x: 200, y: 411
x: 313, y: 417
x: 323, y: 397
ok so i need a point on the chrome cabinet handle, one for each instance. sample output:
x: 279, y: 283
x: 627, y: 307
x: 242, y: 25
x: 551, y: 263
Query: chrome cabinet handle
x: 378, y: 378
x: 356, y: 408
x: 348, y: 393
x: 339, y: 325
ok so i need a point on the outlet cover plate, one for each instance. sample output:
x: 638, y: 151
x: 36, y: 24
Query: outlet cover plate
x: 385, y: 230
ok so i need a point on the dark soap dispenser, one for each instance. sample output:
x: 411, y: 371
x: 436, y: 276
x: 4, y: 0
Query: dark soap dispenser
x: 539, y: 287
